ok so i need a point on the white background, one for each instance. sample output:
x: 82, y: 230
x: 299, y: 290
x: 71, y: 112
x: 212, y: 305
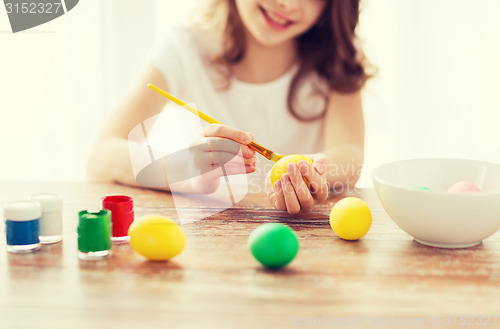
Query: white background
x: 435, y: 95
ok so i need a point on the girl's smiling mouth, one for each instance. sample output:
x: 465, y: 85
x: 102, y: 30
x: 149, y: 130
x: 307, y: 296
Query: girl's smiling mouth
x: 275, y: 20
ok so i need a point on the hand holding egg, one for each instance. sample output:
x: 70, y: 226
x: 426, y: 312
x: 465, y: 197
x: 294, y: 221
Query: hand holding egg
x: 297, y: 183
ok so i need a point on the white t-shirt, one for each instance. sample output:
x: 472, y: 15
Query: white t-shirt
x: 260, y: 108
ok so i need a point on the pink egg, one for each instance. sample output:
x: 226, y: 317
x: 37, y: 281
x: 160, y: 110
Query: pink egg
x: 463, y: 187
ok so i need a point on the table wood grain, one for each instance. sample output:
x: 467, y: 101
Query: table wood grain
x: 384, y: 280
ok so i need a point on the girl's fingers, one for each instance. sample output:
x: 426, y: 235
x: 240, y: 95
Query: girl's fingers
x: 218, y: 130
x: 237, y: 170
x: 217, y: 144
x: 247, y: 152
x: 207, y: 161
x: 321, y: 163
x: 279, y: 198
x: 302, y: 192
x: 291, y: 201
x: 220, y: 158
x: 268, y: 187
x: 229, y: 169
x: 317, y: 182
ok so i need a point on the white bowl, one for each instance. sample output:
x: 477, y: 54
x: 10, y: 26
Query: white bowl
x: 437, y: 218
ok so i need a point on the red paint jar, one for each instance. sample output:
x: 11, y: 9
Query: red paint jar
x: 122, y: 215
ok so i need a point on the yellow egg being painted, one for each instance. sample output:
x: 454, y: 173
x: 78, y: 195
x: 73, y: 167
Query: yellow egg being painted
x: 156, y: 237
x: 350, y: 218
x: 279, y: 167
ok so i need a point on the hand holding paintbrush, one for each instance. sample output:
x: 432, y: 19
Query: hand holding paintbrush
x: 268, y: 154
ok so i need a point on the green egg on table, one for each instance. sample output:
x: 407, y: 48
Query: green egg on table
x: 274, y: 245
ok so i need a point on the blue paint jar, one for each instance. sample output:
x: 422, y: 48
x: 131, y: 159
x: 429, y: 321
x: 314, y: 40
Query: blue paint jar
x: 22, y: 226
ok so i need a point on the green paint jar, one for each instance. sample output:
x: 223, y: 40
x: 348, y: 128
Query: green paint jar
x: 94, y: 234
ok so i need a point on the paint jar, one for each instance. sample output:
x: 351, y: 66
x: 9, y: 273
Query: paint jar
x: 94, y: 234
x: 122, y: 215
x: 51, y: 220
x: 22, y: 226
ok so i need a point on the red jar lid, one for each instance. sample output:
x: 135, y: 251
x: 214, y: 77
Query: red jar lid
x: 119, y: 202
x: 122, y: 213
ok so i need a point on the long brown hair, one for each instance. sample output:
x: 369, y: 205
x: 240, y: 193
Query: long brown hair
x: 327, y: 49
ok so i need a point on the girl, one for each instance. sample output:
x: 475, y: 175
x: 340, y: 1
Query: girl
x: 286, y: 70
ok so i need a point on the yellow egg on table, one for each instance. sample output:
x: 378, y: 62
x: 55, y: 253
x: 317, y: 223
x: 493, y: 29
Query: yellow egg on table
x: 279, y: 167
x: 156, y: 237
x: 350, y: 218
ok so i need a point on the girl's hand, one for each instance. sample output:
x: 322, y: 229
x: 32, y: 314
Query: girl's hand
x: 219, y: 150
x: 292, y: 194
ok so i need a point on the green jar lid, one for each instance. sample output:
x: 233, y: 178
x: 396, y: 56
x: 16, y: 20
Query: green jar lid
x: 94, y: 230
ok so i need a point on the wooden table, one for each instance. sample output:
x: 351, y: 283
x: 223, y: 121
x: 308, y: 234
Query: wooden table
x: 215, y: 282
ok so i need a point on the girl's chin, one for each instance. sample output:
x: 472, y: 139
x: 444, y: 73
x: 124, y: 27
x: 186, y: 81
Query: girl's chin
x: 268, y: 41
